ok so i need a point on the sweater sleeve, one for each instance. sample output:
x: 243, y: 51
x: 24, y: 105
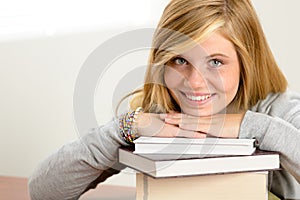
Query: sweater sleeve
x: 275, y: 134
x: 78, y: 166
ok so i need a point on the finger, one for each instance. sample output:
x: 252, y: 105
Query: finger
x: 163, y: 116
x: 195, y: 127
x: 173, y: 131
x: 171, y: 114
x: 180, y: 118
x: 190, y: 134
x: 213, y: 130
x: 174, y: 121
x: 176, y: 118
x: 175, y: 115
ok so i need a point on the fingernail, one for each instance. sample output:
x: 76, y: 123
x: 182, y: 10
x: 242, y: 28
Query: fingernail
x: 168, y: 119
x: 163, y: 116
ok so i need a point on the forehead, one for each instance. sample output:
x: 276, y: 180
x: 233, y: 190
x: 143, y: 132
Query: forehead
x: 215, y: 43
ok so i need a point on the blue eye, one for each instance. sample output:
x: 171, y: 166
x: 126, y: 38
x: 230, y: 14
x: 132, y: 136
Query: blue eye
x: 215, y: 63
x: 179, y: 61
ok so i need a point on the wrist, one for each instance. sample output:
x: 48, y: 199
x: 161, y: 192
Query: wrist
x: 128, y: 125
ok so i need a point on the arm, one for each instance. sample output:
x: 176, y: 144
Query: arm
x: 149, y: 124
x: 218, y: 125
x: 276, y: 134
x: 78, y: 166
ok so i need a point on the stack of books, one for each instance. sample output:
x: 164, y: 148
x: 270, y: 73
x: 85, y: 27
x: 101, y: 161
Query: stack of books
x: 214, y: 168
x: 244, y: 186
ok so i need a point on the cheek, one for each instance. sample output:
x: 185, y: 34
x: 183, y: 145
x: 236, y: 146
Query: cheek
x: 226, y: 81
x: 173, y: 78
x: 231, y: 83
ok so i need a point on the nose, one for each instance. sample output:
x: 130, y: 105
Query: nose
x: 195, y: 79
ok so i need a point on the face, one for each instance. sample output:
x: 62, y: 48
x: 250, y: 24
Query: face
x: 204, y: 80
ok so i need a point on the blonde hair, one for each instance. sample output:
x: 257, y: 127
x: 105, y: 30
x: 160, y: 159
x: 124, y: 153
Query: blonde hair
x: 197, y: 19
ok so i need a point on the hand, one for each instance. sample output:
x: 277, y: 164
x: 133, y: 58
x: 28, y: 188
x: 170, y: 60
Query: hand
x: 149, y: 124
x: 219, y: 125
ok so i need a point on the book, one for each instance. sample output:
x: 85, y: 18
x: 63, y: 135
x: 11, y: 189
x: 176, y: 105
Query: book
x: 207, y: 146
x: 237, y: 186
x: 171, y: 165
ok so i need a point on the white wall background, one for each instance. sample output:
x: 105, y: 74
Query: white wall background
x: 43, y: 45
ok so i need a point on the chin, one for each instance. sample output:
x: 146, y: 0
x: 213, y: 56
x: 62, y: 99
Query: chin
x: 202, y: 112
x: 198, y: 113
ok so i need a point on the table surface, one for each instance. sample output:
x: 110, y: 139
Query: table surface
x: 15, y: 188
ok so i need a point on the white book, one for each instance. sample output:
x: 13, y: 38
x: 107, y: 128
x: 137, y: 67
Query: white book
x: 171, y: 165
x: 236, y: 186
x: 207, y: 146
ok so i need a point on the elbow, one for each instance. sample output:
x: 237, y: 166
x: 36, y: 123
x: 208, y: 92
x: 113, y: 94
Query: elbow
x: 39, y: 189
x: 33, y: 189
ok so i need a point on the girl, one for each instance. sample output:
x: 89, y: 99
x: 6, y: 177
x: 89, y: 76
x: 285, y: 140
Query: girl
x: 210, y: 72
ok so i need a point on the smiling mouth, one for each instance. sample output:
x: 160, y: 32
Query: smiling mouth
x: 198, y: 97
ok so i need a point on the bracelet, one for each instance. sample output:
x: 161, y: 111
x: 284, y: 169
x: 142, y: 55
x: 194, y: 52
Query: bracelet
x: 127, y: 126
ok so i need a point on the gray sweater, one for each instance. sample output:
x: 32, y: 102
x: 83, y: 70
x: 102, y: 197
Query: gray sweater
x: 82, y: 164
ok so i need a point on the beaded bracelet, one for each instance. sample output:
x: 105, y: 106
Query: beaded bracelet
x: 127, y: 125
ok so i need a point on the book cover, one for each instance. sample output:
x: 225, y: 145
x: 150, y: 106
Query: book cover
x: 237, y: 186
x: 207, y: 146
x: 163, y: 165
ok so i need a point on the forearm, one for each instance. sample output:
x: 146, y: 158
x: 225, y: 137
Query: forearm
x: 274, y: 134
x: 70, y: 171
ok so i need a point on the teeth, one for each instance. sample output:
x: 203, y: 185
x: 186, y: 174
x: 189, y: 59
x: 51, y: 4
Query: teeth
x: 198, y: 98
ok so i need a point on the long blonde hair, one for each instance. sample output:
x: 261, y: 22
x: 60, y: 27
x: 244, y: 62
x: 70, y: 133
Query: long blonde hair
x: 197, y: 19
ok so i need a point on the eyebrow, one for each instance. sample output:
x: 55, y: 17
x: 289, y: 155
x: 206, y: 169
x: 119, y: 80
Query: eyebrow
x: 217, y: 54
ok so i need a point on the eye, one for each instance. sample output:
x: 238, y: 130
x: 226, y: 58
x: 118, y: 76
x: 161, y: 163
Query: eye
x: 215, y: 63
x: 179, y: 61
